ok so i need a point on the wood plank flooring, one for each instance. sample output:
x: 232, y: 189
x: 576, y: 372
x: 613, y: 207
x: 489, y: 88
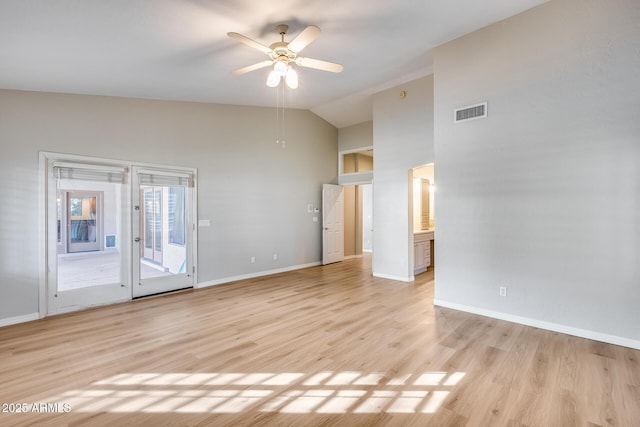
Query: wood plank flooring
x: 322, y: 346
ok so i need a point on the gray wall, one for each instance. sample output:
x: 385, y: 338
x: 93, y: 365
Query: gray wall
x: 543, y: 196
x: 402, y: 139
x: 254, y: 192
x: 356, y: 136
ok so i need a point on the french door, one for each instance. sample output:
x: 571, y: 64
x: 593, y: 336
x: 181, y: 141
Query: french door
x: 114, y: 231
x: 162, y: 228
x: 87, y: 216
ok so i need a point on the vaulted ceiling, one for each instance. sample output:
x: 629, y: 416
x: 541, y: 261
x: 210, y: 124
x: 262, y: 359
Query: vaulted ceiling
x: 179, y: 49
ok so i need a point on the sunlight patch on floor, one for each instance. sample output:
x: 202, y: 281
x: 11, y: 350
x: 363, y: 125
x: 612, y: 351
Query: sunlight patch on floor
x: 324, y: 392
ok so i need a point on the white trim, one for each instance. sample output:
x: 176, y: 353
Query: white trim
x: 393, y: 277
x: 194, y: 226
x: 356, y: 178
x: 356, y: 150
x: 19, y: 319
x: 42, y: 229
x: 356, y: 174
x: 541, y: 324
x: 254, y: 275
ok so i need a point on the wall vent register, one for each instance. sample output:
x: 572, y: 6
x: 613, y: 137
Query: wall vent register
x: 472, y: 112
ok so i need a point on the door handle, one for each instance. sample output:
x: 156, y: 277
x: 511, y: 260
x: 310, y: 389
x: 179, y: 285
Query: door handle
x: 137, y: 239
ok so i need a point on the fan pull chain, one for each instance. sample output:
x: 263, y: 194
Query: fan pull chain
x: 283, y: 99
x: 280, y: 116
x: 277, y: 116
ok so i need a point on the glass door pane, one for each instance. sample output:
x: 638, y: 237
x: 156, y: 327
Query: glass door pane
x: 83, y: 261
x: 164, y: 231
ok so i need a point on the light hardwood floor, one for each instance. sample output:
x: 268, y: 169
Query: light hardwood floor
x: 322, y: 346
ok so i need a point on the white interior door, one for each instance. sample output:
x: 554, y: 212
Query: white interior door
x: 332, y: 223
x: 163, y: 227
x: 85, y: 201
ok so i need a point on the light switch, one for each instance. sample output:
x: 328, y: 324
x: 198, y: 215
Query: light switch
x: 315, y: 219
x: 204, y: 223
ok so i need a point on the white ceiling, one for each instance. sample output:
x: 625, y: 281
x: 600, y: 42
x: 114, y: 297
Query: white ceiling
x: 179, y: 50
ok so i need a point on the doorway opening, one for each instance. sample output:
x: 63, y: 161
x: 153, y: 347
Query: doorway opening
x: 422, y: 183
x: 358, y: 220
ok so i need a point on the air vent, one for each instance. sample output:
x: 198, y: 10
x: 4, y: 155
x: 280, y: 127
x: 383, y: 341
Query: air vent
x: 472, y: 112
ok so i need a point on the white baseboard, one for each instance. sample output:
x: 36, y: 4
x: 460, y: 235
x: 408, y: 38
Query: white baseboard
x: 564, y: 329
x: 392, y: 277
x: 19, y: 319
x: 254, y: 275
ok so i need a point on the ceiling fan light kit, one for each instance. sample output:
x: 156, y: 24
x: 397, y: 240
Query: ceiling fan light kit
x: 280, y: 70
x: 291, y: 78
x: 283, y: 54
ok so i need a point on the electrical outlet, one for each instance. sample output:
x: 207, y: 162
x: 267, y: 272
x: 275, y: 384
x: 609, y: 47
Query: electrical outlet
x: 275, y: 257
x: 503, y: 291
x: 253, y: 260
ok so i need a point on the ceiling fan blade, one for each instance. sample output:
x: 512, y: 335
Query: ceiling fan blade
x: 249, y: 42
x: 307, y: 35
x: 252, y: 67
x: 319, y: 65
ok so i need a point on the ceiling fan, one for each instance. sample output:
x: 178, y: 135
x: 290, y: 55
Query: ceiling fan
x: 283, y: 54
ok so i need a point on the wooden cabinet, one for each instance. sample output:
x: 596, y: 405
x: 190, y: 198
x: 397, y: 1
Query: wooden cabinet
x: 422, y: 251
